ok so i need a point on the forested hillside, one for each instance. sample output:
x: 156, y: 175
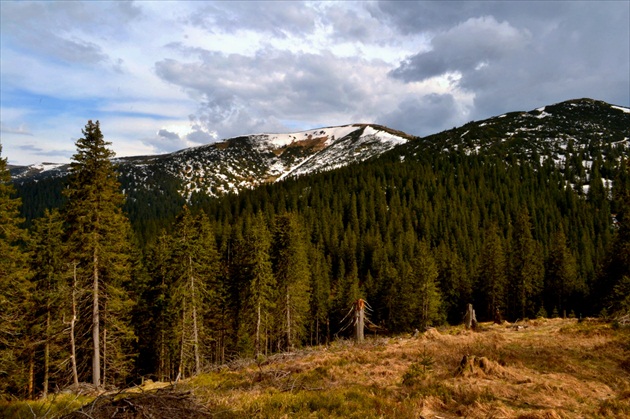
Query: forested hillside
x: 418, y: 233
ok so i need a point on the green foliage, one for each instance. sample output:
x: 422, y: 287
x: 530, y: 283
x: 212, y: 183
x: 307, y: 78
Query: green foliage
x: 15, y: 303
x: 419, y: 233
x: 562, y: 284
x: 49, y: 295
x: 195, y: 293
x: 99, y: 243
x: 290, y: 263
x: 620, y: 297
x: 419, y: 370
x: 262, y: 283
x: 492, y: 276
x: 423, y: 278
x: 527, y: 270
x: 54, y: 406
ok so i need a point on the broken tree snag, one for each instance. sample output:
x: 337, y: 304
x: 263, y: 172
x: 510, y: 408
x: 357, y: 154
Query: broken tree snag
x: 470, y: 319
x: 497, y: 316
x: 359, y: 319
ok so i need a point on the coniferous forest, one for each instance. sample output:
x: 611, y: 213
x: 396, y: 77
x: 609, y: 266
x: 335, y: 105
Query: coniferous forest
x: 102, y: 290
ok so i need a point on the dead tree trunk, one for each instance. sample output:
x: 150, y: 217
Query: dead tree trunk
x: 73, y: 346
x: 258, y: 319
x: 46, y: 354
x: 31, y: 374
x: 194, y: 320
x: 470, y: 319
x: 289, y: 343
x: 96, y: 333
x: 359, y: 320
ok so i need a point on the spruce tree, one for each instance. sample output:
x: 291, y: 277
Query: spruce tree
x: 262, y: 283
x: 292, y: 274
x: 561, y: 276
x: 614, y: 279
x: 492, y: 274
x: 455, y: 284
x: 98, y: 237
x: 527, y: 270
x: 14, y: 289
x: 154, y: 317
x: 424, y: 274
x: 194, y: 290
x: 320, y: 294
x: 51, y: 290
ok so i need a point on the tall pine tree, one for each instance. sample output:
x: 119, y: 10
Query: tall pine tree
x: 291, y: 270
x: 49, y: 294
x: 195, y: 292
x: 561, y: 276
x: 14, y: 289
x: 98, y: 236
x: 424, y: 274
x: 492, y: 274
x: 527, y: 270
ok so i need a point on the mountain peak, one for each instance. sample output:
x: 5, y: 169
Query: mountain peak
x: 248, y: 161
x: 245, y: 162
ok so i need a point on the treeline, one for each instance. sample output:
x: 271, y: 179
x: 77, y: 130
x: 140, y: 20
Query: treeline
x: 279, y: 267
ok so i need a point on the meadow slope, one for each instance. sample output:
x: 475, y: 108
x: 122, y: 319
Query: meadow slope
x: 545, y: 368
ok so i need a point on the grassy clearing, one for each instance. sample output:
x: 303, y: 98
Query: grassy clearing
x: 545, y: 369
x: 53, y: 406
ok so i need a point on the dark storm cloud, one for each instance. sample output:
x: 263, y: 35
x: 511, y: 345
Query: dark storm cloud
x: 519, y: 57
x: 423, y: 115
x: 436, y: 16
x: 465, y: 48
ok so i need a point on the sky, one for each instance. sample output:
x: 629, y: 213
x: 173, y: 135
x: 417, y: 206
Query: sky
x: 162, y: 76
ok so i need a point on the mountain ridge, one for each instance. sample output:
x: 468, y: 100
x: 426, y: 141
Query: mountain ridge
x: 573, y: 135
x: 248, y: 161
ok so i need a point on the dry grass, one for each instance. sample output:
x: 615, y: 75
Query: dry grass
x: 544, y: 369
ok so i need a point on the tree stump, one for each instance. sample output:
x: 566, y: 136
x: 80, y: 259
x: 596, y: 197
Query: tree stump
x: 470, y: 319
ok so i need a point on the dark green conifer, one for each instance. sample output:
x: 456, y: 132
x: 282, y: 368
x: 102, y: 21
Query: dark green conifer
x: 561, y: 276
x: 263, y: 292
x: 527, y: 270
x: 195, y: 292
x: 424, y: 275
x: 14, y: 290
x: 50, y: 296
x: 292, y: 275
x: 492, y: 274
x: 98, y: 237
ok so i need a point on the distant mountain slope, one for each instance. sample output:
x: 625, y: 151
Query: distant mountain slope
x: 546, y: 132
x: 572, y: 134
x: 575, y: 135
x: 244, y: 162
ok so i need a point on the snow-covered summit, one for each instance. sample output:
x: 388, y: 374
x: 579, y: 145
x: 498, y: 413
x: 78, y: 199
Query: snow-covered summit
x: 248, y: 161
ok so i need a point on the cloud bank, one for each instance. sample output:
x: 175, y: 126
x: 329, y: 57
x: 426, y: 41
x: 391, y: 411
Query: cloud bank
x: 161, y: 76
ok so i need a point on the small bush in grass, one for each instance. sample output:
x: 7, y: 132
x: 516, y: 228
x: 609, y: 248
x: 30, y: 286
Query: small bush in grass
x: 420, y: 369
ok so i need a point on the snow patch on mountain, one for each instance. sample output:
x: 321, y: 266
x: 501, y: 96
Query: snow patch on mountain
x: 624, y: 110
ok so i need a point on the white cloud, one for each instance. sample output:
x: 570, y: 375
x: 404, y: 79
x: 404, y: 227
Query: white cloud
x: 198, y: 71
